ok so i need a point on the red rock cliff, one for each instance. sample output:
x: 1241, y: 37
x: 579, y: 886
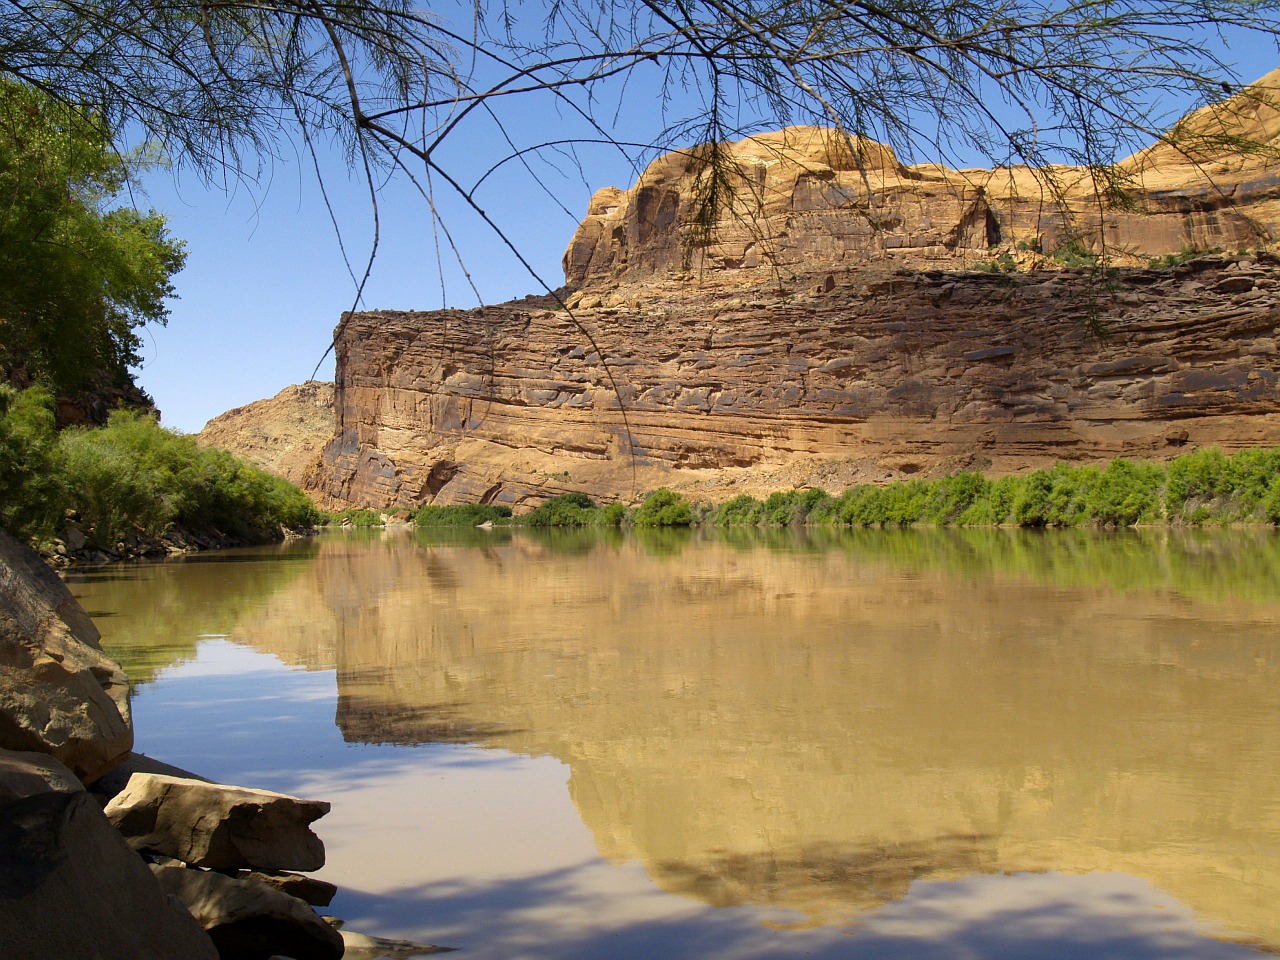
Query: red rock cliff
x: 836, y: 333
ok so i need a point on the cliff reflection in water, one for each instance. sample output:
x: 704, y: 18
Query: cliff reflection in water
x: 816, y: 723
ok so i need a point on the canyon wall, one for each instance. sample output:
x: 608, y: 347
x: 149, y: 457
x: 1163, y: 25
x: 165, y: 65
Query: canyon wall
x: 852, y: 319
x: 860, y: 379
x: 283, y: 434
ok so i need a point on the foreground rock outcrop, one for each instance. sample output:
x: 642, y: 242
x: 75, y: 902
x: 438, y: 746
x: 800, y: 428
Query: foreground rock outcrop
x: 216, y: 826
x: 59, y: 693
x: 837, y: 331
x: 70, y: 887
x: 249, y: 920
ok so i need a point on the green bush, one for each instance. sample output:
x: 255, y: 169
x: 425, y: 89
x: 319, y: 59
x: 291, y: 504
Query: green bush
x: 566, y: 510
x: 664, y: 508
x: 461, y: 515
x: 792, y: 507
x: 742, y: 510
x: 132, y: 477
x: 953, y: 496
x: 1126, y: 493
x: 355, y: 517
x: 994, y: 507
x: 614, y: 515
x: 1057, y: 497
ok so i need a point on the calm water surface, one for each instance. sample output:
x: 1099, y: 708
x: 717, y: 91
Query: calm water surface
x: 882, y: 744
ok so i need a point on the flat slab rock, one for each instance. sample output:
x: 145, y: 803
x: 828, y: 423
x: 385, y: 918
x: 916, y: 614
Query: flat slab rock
x: 107, y: 787
x: 248, y: 920
x: 362, y: 946
x: 70, y: 887
x: 59, y: 693
x: 318, y: 893
x: 217, y: 826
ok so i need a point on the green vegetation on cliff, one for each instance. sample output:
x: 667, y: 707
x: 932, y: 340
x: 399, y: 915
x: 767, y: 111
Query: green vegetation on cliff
x: 131, y: 478
x: 1204, y: 487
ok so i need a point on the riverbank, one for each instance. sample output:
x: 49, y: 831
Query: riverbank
x: 1204, y: 487
x: 131, y: 489
x: 150, y: 860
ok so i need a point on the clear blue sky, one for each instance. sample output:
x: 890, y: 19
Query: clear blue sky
x: 265, y: 282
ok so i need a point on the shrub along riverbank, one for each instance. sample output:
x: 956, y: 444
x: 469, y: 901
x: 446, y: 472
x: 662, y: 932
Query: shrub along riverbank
x: 131, y: 481
x: 1204, y: 487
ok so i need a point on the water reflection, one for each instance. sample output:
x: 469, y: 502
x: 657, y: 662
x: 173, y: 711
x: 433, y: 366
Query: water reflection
x: 816, y: 723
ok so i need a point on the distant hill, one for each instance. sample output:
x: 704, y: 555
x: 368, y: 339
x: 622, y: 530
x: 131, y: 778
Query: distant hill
x: 283, y: 435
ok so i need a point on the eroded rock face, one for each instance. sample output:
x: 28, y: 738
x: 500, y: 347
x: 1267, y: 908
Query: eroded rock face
x: 248, y: 920
x: 59, y: 693
x: 808, y: 194
x: 216, y: 826
x: 70, y: 887
x: 892, y: 372
x: 283, y: 435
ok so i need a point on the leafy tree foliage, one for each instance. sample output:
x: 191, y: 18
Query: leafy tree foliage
x: 31, y: 494
x: 78, y: 277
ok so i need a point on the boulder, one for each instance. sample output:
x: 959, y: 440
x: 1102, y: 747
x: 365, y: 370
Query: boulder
x: 248, y: 920
x: 59, y: 693
x: 70, y: 887
x: 318, y: 893
x: 25, y: 773
x: 105, y: 788
x: 217, y: 826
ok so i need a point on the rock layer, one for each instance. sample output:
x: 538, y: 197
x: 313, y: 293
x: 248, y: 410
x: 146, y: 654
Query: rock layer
x: 831, y: 329
x: 891, y: 373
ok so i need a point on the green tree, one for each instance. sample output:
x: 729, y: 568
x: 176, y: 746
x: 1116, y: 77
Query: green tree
x: 32, y: 495
x: 78, y: 277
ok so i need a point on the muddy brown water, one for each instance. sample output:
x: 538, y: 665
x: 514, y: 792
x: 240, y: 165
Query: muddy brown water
x: 871, y: 744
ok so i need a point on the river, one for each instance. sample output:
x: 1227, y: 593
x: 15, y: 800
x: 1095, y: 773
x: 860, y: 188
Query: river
x: 897, y: 744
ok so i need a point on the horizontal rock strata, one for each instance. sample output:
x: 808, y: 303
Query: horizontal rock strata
x: 901, y: 370
x: 826, y: 326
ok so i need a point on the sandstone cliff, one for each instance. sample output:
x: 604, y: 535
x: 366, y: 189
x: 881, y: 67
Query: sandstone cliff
x: 871, y: 379
x: 808, y: 194
x: 836, y: 331
x: 282, y: 435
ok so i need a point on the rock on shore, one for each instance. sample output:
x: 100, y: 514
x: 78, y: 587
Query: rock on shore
x: 59, y: 693
x: 71, y: 885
